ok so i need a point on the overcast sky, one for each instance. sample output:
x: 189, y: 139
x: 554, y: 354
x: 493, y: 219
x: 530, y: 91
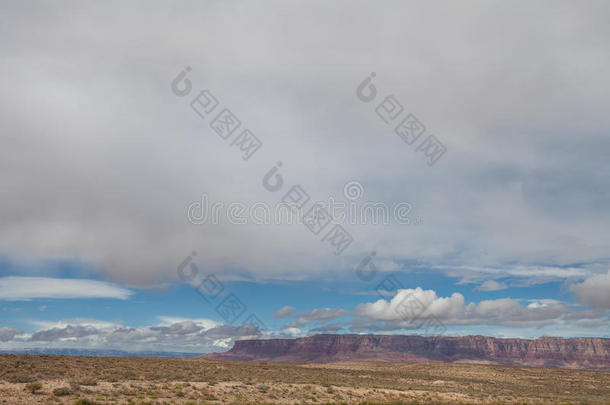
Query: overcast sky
x: 100, y: 161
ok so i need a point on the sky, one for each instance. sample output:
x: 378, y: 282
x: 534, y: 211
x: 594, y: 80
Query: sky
x: 176, y: 176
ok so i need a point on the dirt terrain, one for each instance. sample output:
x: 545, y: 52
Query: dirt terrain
x: 26, y: 379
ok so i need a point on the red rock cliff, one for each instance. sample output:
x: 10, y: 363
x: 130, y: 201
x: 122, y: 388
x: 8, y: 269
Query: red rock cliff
x: 546, y: 351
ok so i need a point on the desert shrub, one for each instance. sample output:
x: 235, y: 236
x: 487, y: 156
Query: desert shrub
x: 87, y: 381
x: 20, y: 378
x: 86, y: 402
x: 33, y: 387
x: 208, y: 396
x: 61, y: 391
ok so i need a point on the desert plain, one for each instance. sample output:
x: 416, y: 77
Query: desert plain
x: 42, y: 379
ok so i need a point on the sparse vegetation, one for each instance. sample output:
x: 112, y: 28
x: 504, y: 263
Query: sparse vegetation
x: 137, y: 381
x: 86, y: 402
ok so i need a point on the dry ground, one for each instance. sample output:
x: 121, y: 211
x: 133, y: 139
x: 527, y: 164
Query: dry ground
x: 107, y: 380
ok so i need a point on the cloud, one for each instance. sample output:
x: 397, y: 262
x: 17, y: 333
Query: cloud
x: 594, y: 291
x: 7, y: 333
x: 524, y: 179
x: 205, y: 323
x: 391, y: 310
x: 520, y: 275
x: 93, y: 323
x: 321, y: 314
x: 27, y: 288
x: 181, y: 328
x: 492, y: 285
x: 328, y: 328
x: 284, y: 312
x: 409, y: 307
x: 70, y: 331
x: 229, y: 331
x: 293, y: 332
x: 187, y: 335
x: 137, y: 336
x: 540, y: 303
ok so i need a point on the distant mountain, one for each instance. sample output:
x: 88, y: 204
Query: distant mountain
x: 98, y: 353
x: 591, y: 353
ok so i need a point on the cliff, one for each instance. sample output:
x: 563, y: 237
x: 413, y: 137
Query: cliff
x: 591, y: 353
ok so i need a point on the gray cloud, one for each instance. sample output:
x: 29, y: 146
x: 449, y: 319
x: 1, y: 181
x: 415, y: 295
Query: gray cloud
x: 7, y: 333
x: 196, y: 335
x: 181, y: 328
x: 229, y: 331
x: 594, y: 291
x: 129, y: 334
x: 70, y: 331
x: 100, y: 159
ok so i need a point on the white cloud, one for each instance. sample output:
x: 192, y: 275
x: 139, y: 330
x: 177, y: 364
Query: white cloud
x: 27, y: 288
x: 391, y: 310
x: 197, y: 335
x: 317, y: 315
x: 492, y: 285
x: 204, y: 322
x: 293, y: 332
x: 93, y: 323
x: 409, y: 306
x: 521, y: 275
x: 539, y: 303
x: 284, y: 312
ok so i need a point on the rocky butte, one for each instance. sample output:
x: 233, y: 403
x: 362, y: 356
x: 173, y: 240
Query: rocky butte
x: 586, y: 352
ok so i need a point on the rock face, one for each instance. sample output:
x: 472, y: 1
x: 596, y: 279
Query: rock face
x: 591, y: 353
